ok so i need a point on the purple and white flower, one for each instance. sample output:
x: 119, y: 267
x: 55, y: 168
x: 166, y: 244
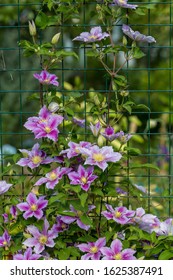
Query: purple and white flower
x: 122, y: 137
x: 33, y: 206
x: 136, y: 35
x: 94, y: 35
x: 77, y: 217
x: 95, y: 128
x: 74, y: 149
x: 4, y: 187
x: 28, y: 255
x: 42, y: 238
x: 5, y: 239
x: 123, y: 4
x: 79, y: 122
x: 100, y: 156
x: 109, y: 133
x: 34, y: 158
x: 115, y: 252
x: 60, y: 226
x: 92, y: 249
x: 46, y: 78
x: 120, y: 214
x: 45, y: 125
x: 83, y: 177
x: 52, y: 178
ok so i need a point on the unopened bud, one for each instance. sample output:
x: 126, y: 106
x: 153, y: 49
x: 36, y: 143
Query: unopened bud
x: 124, y: 93
x: 32, y: 28
x: 55, y: 38
x: 53, y: 107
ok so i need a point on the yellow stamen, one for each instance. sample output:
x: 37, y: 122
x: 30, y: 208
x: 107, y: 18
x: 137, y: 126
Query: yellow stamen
x: 94, y: 249
x: 52, y: 176
x: 117, y: 214
x: 98, y: 157
x: 43, y: 239
x: 47, y: 129
x: 4, y: 243
x: 84, y: 180
x: 92, y: 37
x: 36, y: 159
x: 34, y: 207
x: 117, y: 256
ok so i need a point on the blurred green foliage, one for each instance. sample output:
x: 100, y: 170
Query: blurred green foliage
x: 149, y: 79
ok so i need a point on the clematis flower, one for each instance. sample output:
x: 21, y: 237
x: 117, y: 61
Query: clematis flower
x: 141, y: 188
x: 123, y: 138
x: 79, y: 122
x: 95, y: 128
x: 46, y: 78
x: 52, y: 178
x: 166, y: 227
x: 28, y: 255
x: 136, y: 35
x: 77, y: 217
x: 33, y: 206
x: 109, y: 133
x: 124, y: 4
x: 45, y: 125
x: 4, y: 187
x: 83, y: 177
x: 94, y: 35
x: 74, y: 149
x: 115, y: 252
x: 5, y: 239
x: 93, y: 249
x: 34, y: 158
x: 121, y: 214
x: 60, y: 226
x: 100, y: 156
x: 41, y: 239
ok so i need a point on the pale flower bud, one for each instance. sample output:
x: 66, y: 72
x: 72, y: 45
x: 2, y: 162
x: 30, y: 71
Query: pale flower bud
x: 124, y: 93
x: 55, y: 38
x: 53, y: 107
x: 32, y: 28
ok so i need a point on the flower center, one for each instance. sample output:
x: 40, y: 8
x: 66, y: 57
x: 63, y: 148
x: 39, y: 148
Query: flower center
x: 53, y: 176
x: 47, y: 129
x: 92, y: 37
x: 79, y: 213
x: 36, y: 159
x: 34, y: 207
x: 98, y: 157
x: 84, y: 180
x: 43, y: 239
x: 77, y: 150
x: 117, y: 256
x: 94, y: 249
x: 46, y: 81
x: 4, y: 243
x: 117, y: 214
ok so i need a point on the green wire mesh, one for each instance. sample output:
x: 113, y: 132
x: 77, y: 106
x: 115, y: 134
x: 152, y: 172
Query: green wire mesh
x: 150, y: 83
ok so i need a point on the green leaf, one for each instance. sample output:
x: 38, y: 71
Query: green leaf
x: 128, y: 108
x: 133, y: 151
x: 64, y: 53
x: 41, y: 20
x: 137, y: 53
x: 86, y: 220
x: 83, y: 197
x: 166, y: 255
x: 142, y: 106
x: 144, y: 165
